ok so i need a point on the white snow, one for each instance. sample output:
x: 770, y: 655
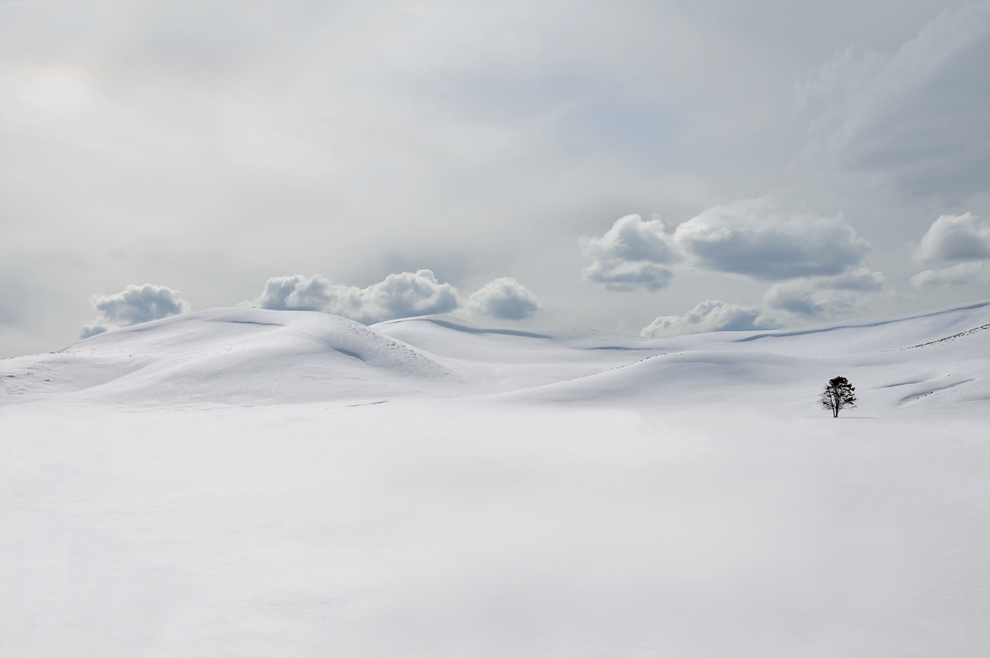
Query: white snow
x: 241, y: 482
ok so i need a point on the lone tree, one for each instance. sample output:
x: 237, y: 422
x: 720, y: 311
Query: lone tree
x: 838, y: 394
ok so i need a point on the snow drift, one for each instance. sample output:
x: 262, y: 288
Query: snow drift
x: 232, y: 483
x: 253, y: 356
x: 232, y: 355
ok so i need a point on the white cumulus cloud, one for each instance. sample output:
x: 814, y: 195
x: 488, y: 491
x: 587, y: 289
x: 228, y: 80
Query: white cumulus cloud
x: 399, y: 296
x: 751, y: 237
x: 754, y: 238
x: 711, y: 315
x: 504, y: 298
x: 825, y: 297
x: 963, y: 240
x: 956, y: 237
x: 632, y: 254
x: 135, y: 304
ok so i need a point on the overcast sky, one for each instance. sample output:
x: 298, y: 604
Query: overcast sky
x: 656, y: 167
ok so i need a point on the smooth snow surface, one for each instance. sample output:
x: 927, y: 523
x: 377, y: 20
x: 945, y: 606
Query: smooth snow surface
x: 239, y: 482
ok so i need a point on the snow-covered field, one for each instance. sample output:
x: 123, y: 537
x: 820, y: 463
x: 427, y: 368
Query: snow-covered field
x: 239, y: 482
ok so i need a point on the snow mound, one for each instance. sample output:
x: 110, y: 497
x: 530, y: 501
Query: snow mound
x: 940, y: 359
x: 229, y: 355
x: 253, y: 356
x: 937, y: 358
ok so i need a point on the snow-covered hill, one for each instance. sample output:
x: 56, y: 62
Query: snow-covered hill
x: 230, y: 355
x: 243, y: 483
x: 252, y: 356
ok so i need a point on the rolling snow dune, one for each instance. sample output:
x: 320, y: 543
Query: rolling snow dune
x: 933, y: 359
x: 235, y: 355
x: 248, y: 483
x: 252, y: 356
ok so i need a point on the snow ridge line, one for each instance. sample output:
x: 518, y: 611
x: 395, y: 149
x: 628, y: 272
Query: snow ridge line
x: 602, y: 372
x: 594, y: 374
x: 626, y: 365
x: 952, y: 337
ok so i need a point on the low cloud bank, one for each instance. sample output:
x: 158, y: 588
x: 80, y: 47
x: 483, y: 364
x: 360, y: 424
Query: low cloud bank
x: 398, y: 296
x: 963, y: 240
x: 505, y: 299
x: 751, y: 237
x: 135, y: 304
x: 825, y: 297
x: 403, y: 295
x: 961, y: 274
x: 809, y: 298
x: 711, y: 315
x: 812, y: 261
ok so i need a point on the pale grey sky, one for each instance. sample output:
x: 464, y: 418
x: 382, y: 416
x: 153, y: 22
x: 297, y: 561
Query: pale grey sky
x: 717, y: 165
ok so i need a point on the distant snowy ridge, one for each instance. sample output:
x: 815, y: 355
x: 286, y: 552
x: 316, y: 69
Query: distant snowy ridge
x: 252, y: 356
